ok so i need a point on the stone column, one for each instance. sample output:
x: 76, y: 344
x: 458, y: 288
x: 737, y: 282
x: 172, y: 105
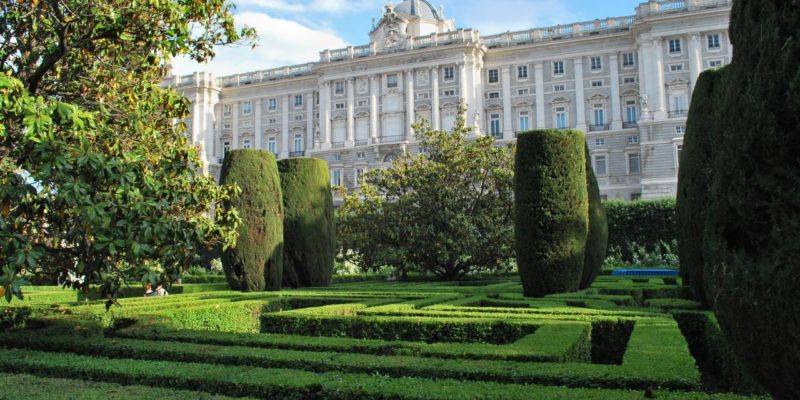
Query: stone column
x: 580, y: 96
x: 508, y: 117
x: 374, y: 89
x: 258, y: 130
x: 435, y: 107
x: 410, y: 105
x: 540, y: 106
x: 659, y: 96
x: 643, y: 53
x: 695, y: 58
x: 235, y: 125
x: 616, y: 107
x: 464, y: 89
x: 477, y: 94
x: 325, y: 116
x: 351, y: 106
x: 310, y: 122
x: 284, y: 153
x: 215, y: 141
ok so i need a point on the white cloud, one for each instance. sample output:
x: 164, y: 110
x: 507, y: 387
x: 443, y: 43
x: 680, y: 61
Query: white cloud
x: 324, y: 6
x: 510, y: 15
x: 281, y: 42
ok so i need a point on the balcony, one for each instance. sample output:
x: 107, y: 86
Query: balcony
x: 497, y: 135
x: 392, y: 139
x: 678, y: 113
x: 362, y: 142
x: 599, y: 127
x: 337, y: 145
x: 296, y: 154
x: 630, y: 125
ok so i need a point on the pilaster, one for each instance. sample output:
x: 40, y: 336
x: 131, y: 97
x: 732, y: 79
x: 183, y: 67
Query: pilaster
x: 410, y: 106
x: 616, y: 107
x: 284, y: 153
x: 539, y: 77
x: 435, y: 108
x: 373, y: 107
x: 258, y: 131
x: 580, y: 95
x: 508, y: 125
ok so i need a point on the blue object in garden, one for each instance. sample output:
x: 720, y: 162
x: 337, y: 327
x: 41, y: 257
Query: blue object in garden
x: 646, y: 272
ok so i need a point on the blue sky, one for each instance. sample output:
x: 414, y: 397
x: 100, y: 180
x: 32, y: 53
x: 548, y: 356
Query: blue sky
x: 294, y: 31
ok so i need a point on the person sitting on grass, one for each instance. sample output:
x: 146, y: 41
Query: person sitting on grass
x: 148, y: 290
x: 160, y: 291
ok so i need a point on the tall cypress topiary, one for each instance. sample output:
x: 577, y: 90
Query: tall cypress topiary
x: 597, y: 241
x: 752, y: 237
x: 695, y: 177
x: 551, y: 210
x: 309, y: 226
x: 256, y: 263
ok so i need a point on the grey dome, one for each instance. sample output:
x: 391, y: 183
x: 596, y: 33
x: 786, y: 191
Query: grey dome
x: 419, y: 8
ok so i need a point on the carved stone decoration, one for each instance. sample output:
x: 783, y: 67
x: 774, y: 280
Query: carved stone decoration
x: 423, y: 78
x: 393, y: 40
x: 362, y: 85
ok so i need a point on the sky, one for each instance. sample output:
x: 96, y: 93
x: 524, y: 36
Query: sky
x: 295, y: 31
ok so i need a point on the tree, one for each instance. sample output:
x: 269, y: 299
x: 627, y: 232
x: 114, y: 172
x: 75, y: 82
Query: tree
x: 308, y: 222
x: 446, y: 211
x: 255, y: 263
x: 96, y: 178
x: 752, y: 232
x: 597, y: 241
x: 552, y: 210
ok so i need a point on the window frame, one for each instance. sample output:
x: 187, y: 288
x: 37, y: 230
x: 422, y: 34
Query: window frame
x: 493, y: 76
x: 559, y: 68
x: 596, y: 63
x: 520, y: 75
x: 675, y: 46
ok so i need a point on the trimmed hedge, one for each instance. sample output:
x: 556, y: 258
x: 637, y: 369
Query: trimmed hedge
x: 644, y: 222
x: 308, y: 223
x: 752, y: 234
x: 597, y: 241
x: 551, y: 210
x: 256, y: 262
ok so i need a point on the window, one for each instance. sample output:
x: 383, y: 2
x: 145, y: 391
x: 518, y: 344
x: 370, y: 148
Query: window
x: 597, y: 83
x: 360, y: 155
x: 363, y: 103
x: 298, y: 117
x: 226, y: 125
x: 674, y: 46
x: 298, y: 101
x: 522, y: 72
x: 298, y: 143
x: 494, y: 76
x: 336, y: 177
x: 449, y: 93
x: 449, y: 73
x: 391, y: 81
x: 359, y: 176
x: 316, y: 98
x: 675, y: 67
x: 273, y: 104
x: 599, y: 115
x: 247, y: 144
x: 558, y: 68
x: 337, y: 157
x: 631, y: 113
x: 226, y: 110
x: 629, y: 80
x: 680, y: 130
x: 599, y: 142
x: 523, y: 92
x: 714, y: 63
x: 272, y: 145
x: 633, y: 140
x: 272, y: 121
x: 561, y: 118
x: 226, y: 147
x: 494, y: 125
x: 633, y: 164
x: 680, y: 104
x: 339, y: 106
x: 423, y: 96
x: 713, y: 42
x: 494, y: 95
x: 600, y: 167
x: 628, y: 60
x: 247, y: 108
x: 524, y: 121
x: 559, y: 88
x: 597, y: 63
x: 339, y: 88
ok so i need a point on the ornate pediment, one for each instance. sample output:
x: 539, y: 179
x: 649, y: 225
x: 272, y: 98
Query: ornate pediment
x: 560, y: 100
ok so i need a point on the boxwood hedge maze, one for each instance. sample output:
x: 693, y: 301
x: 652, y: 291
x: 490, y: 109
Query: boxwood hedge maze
x: 619, y: 339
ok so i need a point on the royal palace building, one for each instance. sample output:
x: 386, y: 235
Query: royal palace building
x: 625, y: 81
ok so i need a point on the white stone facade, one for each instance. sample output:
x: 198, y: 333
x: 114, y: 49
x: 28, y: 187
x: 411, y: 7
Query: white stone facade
x: 625, y: 81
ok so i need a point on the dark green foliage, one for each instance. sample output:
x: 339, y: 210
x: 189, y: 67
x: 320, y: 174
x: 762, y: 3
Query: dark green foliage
x: 256, y: 263
x: 551, y: 220
x: 752, y: 234
x: 694, y: 179
x: 647, y: 223
x: 308, y: 222
x: 597, y: 241
x: 610, y: 340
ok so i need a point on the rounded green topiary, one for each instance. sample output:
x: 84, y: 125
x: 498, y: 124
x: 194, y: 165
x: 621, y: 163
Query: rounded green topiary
x: 597, y: 241
x: 256, y: 263
x: 308, y: 222
x: 551, y: 211
x: 694, y: 179
x: 752, y: 235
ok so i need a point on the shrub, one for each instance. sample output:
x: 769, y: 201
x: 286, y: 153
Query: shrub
x: 256, y: 263
x: 308, y: 224
x: 551, y: 218
x: 694, y: 179
x: 752, y: 232
x: 597, y: 241
x: 646, y: 222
